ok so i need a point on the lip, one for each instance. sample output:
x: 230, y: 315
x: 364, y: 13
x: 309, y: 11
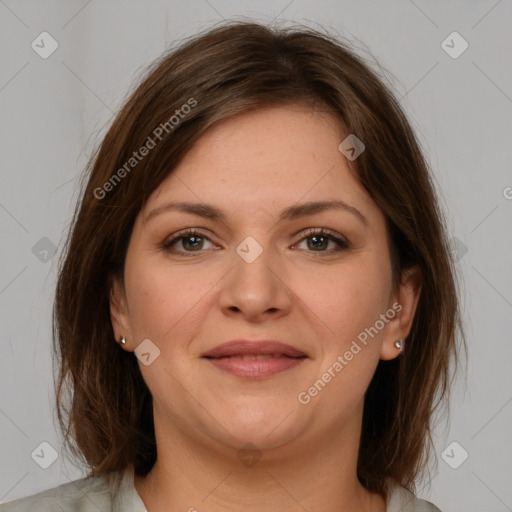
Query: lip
x: 239, y: 357
x: 259, y: 347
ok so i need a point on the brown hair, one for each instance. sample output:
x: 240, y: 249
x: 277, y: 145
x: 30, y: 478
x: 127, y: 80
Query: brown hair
x: 230, y: 69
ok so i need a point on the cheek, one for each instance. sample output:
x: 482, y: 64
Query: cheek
x: 347, y: 299
x: 349, y: 304
x: 166, y: 300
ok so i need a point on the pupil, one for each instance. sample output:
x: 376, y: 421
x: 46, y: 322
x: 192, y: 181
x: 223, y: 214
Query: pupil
x: 196, y: 238
x: 316, y: 238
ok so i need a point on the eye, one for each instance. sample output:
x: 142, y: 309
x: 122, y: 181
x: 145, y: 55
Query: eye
x: 320, y: 238
x: 191, y: 241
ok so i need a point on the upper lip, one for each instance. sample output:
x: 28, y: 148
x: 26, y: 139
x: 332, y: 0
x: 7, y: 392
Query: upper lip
x: 257, y: 347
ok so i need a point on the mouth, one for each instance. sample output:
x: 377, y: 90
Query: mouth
x: 254, y: 359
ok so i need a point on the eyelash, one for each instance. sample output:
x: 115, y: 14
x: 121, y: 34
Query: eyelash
x: 321, y: 232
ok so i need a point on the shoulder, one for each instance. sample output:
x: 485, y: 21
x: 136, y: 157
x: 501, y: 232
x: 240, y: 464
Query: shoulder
x: 402, y: 500
x: 84, y: 495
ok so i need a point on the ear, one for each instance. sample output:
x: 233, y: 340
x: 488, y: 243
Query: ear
x: 403, y: 302
x: 119, y: 311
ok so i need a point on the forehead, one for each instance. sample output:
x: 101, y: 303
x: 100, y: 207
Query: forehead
x: 265, y: 159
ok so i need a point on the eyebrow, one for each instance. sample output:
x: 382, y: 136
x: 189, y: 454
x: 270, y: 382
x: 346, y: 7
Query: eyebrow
x: 291, y: 213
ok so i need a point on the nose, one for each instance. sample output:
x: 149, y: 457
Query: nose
x: 256, y: 290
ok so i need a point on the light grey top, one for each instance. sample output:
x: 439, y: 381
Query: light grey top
x: 102, y: 494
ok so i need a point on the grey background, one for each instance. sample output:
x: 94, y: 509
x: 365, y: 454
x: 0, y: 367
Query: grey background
x: 55, y: 110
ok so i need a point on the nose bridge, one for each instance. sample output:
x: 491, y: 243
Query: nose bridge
x: 254, y: 285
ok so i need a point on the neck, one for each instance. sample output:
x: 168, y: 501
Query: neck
x: 193, y: 474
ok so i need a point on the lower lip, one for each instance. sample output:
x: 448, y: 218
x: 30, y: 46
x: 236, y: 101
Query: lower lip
x: 255, y: 368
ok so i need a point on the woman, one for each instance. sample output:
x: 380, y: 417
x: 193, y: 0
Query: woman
x: 260, y: 235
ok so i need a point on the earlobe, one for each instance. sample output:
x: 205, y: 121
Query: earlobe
x: 399, y: 344
x: 405, y: 302
x: 118, y: 310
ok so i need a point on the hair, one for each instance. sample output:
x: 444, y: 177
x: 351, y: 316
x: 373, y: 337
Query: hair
x: 104, y: 406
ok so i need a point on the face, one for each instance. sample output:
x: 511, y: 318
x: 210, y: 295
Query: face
x: 256, y: 274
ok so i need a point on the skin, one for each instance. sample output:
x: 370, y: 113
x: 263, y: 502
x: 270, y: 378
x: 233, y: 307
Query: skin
x: 308, y: 295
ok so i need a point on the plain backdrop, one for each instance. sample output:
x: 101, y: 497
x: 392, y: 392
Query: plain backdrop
x: 54, y: 111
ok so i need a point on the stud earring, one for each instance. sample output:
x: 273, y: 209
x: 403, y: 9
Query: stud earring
x: 122, y: 340
x: 399, y: 343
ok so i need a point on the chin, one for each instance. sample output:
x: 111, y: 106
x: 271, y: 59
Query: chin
x: 263, y: 426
